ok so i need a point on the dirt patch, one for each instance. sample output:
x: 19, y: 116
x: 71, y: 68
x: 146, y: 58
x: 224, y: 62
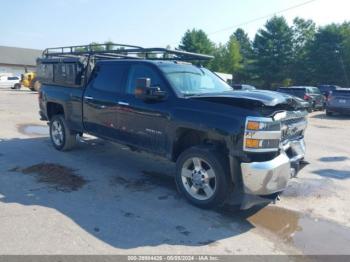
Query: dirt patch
x: 149, y: 181
x: 33, y: 130
x: 57, y: 176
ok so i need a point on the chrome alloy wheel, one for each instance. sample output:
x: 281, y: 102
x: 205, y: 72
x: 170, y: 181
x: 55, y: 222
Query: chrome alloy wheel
x: 198, y: 178
x: 57, y: 133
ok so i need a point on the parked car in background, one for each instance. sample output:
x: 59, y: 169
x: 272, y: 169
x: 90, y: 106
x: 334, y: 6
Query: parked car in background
x: 8, y: 81
x: 326, y: 89
x: 243, y: 87
x: 309, y: 93
x: 338, y: 101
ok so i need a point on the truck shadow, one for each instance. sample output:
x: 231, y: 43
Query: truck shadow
x: 333, y: 117
x: 332, y: 173
x: 122, y: 198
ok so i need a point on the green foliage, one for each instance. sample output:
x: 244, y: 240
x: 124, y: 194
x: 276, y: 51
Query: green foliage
x: 329, y: 55
x: 280, y: 55
x: 197, y: 41
x: 273, y: 49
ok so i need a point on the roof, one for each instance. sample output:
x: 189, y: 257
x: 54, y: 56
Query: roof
x: 295, y: 87
x: 19, y: 56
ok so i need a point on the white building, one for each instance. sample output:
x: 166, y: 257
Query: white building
x: 226, y: 77
x: 16, y: 61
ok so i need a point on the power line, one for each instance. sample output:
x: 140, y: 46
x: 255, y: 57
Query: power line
x: 262, y: 17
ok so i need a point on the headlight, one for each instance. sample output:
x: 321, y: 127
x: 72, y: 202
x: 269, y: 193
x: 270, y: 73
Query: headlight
x: 262, y: 134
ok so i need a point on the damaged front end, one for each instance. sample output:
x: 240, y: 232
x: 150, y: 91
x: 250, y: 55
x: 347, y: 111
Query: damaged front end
x: 282, y: 135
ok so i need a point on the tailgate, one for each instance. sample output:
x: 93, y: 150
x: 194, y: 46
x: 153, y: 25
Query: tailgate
x: 340, y: 98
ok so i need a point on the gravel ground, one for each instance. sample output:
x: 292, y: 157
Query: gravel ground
x: 102, y: 198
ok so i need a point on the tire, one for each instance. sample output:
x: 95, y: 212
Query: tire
x: 199, y: 168
x: 61, y: 136
x: 37, y: 85
x: 16, y: 86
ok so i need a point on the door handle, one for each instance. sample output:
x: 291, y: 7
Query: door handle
x: 121, y: 103
x: 88, y: 98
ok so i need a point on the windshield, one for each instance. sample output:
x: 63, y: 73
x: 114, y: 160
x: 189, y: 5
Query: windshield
x: 191, y: 80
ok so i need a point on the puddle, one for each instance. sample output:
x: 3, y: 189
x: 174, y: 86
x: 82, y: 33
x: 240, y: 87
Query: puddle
x: 59, y: 177
x: 33, y: 130
x: 310, y: 235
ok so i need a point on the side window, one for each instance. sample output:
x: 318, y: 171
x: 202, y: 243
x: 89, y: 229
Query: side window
x: 45, y: 72
x: 109, y: 77
x: 142, y: 71
x: 71, y: 73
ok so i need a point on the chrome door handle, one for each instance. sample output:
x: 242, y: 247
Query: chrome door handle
x: 121, y: 103
x: 88, y: 98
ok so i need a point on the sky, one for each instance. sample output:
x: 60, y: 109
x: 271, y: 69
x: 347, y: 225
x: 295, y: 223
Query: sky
x: 150, y: 23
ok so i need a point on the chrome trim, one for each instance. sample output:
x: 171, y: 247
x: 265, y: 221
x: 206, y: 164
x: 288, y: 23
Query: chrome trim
x: 123, y: 103
x: 265, y: 178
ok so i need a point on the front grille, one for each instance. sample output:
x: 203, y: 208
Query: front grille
x: 293, y: 126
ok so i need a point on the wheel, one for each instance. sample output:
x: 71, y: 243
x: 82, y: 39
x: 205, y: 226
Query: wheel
x: 61, y: 137
x: 202, y: 176
x: 37, y: 85
x: 329, y: 113
x: 16, y: 86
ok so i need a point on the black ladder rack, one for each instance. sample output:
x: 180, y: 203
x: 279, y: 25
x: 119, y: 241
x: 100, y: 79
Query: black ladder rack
x: 122, y: 51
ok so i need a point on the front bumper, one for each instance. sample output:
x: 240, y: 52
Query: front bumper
x: 266, y: 178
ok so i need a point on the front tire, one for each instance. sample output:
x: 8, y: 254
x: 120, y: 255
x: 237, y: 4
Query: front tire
x: 202, y: 176
x: 61, y: 136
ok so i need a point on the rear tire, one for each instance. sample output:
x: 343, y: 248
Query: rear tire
x: 61, y: 136
x: 16, y: 86
x: 202, y: 176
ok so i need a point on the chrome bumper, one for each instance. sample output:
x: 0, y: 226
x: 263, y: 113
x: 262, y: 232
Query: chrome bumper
x: 266, y: 178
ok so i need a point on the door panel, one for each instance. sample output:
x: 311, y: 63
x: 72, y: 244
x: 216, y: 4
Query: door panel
x: 144, y: 123
x: 100, y: 100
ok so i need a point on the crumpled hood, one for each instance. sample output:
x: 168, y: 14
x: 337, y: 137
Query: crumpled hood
x: 263, y: 97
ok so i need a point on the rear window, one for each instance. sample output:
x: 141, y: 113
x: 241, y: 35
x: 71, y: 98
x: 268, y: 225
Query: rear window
x: 12, y: 78
x: 341, y: 92
x: 60, y: 73
x: 314, y: 90
x: 295, y: 92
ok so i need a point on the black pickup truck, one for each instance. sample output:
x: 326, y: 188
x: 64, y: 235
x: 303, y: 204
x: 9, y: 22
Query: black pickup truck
x: 149, y: 98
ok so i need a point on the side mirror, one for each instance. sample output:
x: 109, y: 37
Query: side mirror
x: 145, y: 91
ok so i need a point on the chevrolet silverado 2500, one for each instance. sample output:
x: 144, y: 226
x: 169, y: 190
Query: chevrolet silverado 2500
x: 222, y: 140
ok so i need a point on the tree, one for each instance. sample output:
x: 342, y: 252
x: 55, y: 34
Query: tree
x: 94, y: 46
x: 108, y: 45
x: 245, y: 74
x: 273, y: 49
x: 244, y: 42
x: 233, y: 57
x: 304, y: 32
x: 328, y: 55
x: 196, y: 41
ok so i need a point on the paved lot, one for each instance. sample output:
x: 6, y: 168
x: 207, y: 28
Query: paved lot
x: 104, y: 199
